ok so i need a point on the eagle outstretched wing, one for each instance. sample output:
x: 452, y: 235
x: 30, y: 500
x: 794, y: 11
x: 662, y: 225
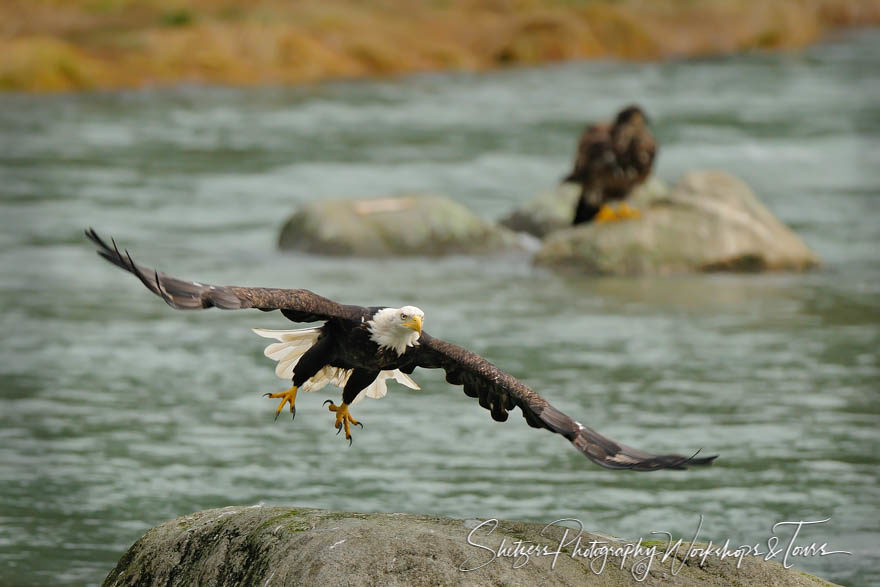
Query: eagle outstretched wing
x: 499, y: 392
x: 299, y: 305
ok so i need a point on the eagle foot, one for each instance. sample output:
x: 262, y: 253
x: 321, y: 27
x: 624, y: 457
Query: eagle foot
x: 286, y: 396
x: 606, y: 214
x: 343, y: 419
x: 623, y: 212
x: 626, y: 211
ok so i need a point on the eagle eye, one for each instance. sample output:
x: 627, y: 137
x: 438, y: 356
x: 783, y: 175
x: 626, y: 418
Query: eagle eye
x: 403, y: 316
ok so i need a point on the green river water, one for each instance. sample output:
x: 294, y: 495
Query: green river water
x: 119, y: 413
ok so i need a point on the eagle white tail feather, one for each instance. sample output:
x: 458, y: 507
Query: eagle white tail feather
x: 295, y: 343
x: 289, y: 335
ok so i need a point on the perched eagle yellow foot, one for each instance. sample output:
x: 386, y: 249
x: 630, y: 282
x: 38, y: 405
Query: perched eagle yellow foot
x: 627, y: 211
x: 343, y: 419
x: 605, y: 214
x: 286, y: 396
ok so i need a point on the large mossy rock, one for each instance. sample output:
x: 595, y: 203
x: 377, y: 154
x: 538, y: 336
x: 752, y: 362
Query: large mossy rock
x: 407, y: 225
x: 255, y: 545
x: 708, y: 221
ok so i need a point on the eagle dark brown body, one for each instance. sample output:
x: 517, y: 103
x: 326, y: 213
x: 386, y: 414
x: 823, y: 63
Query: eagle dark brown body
x: 346, y: 344
x: 612, y: 159
x: 344, y: 341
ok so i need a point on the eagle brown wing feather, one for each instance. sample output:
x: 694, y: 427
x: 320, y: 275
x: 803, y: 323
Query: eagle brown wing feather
x: 612, y: 159
x: 590, y: 160
x: 299, y: 305
x: 497, y: 391
x: 500, y: 392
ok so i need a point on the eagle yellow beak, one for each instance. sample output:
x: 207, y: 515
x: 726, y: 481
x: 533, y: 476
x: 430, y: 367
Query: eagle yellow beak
x: 415, y: 323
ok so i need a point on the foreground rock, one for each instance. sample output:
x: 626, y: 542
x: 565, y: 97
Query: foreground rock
x: 280, y: 546
x: 410, y: 225
x: 709, y: 221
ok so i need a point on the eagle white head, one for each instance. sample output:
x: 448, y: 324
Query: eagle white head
x: 396, y: 328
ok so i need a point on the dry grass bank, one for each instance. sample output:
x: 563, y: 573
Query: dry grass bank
x: 57, y: 45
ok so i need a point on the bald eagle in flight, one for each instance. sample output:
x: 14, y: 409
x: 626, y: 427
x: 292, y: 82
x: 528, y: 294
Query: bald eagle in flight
x: 359, y: 349
x: 611, y: 160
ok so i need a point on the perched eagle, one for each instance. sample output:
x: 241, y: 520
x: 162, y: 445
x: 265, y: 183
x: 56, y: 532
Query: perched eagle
x: 611, y: 160
x: 359, y: 348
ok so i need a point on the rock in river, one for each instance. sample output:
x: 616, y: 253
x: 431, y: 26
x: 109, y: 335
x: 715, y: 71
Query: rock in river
x: 255, y: 545
x: 407, y: 225
x: 708, y: 221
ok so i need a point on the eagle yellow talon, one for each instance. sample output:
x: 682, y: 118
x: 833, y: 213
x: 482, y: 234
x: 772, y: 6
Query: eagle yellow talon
x: 609, y: 214
x: 343, y: 419
x: 286, y: 396
x: 627, y: 211
x: 606, y: 214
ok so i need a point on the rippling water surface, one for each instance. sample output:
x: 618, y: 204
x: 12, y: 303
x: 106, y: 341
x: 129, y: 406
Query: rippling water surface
x: 119, y: 413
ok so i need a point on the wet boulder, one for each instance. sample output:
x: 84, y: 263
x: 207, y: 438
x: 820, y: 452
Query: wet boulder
x: 256, y: 545
x: 406, y: 225
x: 708, y: 221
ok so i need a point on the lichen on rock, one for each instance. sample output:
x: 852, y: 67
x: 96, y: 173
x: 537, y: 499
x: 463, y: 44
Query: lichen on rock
x: 255, y: 545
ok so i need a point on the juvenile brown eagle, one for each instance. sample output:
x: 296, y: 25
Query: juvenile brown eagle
x: 359, y: 348
x: 611, y: 160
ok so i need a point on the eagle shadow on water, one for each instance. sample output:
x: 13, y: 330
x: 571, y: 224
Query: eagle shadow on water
x: 358, y: 348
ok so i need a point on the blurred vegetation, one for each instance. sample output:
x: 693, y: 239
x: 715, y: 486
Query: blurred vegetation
x: 57, y: 45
